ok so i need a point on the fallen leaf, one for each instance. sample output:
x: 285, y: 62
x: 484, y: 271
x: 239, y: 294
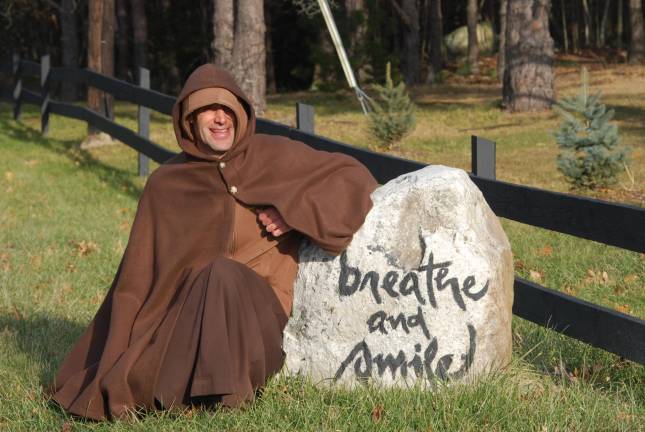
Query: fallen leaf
x: 70, y: 267
x: 377, y: 413
x: 66, y: 427
x: 597, y: 276
x: 535, y: 275
x: 631, y: 278
x: 624, y: 308
x: 545, y: 251
x: 518, y: 264
x: 8, y: 175
x: 84, y: 247
x: 35, y: 261
x: 31, y: 162
x: 124, y: 225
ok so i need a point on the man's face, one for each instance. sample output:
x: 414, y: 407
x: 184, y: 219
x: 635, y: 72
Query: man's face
x: 215, y: 126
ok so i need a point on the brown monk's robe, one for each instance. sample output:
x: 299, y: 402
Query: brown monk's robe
x: 201, y: 295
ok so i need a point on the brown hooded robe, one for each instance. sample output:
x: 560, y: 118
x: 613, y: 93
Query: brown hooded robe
x: 186, y: 316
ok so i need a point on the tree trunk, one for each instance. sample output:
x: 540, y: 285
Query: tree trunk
x: 473, y: 49
x: 94, y: 63
x: 529, y: 77
x: 357, y: 25
x: 565, y: 37
x: 69, y: 43
x: 619, y: 26
x: 411, y: 43
x: 637, y: 39
x: 436, y: 39
x: 239, y: 46
x: 223, y: 31
x: 121, y: 39
x: 270, y: 66
x: 602, y: 36
x: 587, y: 20
x: 107, y: 54
x: 501, y: 55
x: 575, y: 27
x: 140, y: 32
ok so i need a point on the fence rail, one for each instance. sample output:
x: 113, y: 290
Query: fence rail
x: 609, y: 223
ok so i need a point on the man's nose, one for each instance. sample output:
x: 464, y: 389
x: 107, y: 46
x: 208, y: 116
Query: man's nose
x: 220, y: 115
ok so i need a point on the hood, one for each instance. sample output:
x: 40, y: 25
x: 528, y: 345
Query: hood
x: 205, y: 76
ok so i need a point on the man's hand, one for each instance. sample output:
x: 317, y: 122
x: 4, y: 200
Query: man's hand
x: 272, y: 221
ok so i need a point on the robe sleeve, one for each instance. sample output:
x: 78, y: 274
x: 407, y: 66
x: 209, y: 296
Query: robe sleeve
x: 324, y: 195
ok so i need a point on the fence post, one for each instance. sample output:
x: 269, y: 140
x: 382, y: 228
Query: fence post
x: 144, y: 121
x: 482, y: 157
x: 17, y: 89
x: 45, y: 67
x: 305, y: 117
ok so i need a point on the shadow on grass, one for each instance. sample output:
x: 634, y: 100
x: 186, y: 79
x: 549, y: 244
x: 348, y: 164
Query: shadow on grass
x: 45, y: 339
x: 569, y: 360
x: 631, y: 114
x: 118, y: 179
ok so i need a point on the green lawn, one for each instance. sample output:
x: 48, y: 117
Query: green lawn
x: 65, y: 214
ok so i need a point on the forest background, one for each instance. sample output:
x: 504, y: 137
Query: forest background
x: 283, y: 45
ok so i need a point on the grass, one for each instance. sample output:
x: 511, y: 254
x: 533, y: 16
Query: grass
x: 65, y: 214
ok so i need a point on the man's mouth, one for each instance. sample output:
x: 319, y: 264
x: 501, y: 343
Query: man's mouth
x: 219, y: 131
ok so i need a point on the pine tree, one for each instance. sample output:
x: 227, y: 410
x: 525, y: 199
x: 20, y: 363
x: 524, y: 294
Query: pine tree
x: 392, y: 116
x: 591, y: 156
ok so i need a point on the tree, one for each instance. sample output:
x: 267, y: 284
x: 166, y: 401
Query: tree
x: 591, y: 155
x: 436, y: 40
x: 357, y: 29
x: 408, y: 12
x: 501, y: 55
x: 94, y: 53
x: 140, y: 32
x: 69, y: 43
x: 473, y: 49
x: 122, y: 46
x: 107, y: 51
x: 239, y: 45
x: 637, y: 40
x: 100, y: 55
x: 393, y: 114
x: 528, y: 83
x: 619, y: 25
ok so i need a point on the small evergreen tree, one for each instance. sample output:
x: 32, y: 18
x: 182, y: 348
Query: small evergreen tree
x: 392, y: 116
x: 591, y: 156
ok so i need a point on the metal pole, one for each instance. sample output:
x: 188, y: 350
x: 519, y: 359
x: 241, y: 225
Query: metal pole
x: 144, y: 121
x: 482, y: 157
x: 45, y: 67
x: 342, y: 55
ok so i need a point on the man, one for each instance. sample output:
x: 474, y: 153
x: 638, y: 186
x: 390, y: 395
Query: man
x: 204, y: 289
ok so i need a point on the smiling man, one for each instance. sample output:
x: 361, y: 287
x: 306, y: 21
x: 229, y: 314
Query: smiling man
x: 197, y: 307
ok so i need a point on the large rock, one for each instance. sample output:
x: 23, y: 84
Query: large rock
x: 457, y: 41
x: 424, y: 291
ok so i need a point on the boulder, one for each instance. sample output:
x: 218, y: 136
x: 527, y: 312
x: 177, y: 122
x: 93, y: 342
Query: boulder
x: 423, y: 292
x: 457, y: 41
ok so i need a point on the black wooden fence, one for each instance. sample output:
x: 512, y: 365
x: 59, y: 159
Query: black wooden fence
x: 612, y: 224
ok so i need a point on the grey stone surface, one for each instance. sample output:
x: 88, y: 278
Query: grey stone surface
x: 423, y: 292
